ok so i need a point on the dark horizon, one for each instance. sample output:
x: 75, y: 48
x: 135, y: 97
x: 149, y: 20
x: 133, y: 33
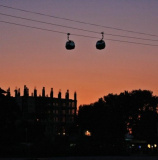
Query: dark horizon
x: 115, y: 125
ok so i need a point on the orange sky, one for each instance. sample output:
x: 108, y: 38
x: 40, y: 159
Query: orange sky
x: 39, y: 58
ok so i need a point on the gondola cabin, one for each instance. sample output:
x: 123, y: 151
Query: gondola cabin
x: 100, y: 44
x: 70, y: 45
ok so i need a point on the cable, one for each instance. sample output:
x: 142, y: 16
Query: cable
x: 76, y: 34
x: 32, y: 27
x: 75, y: 28
x: 67, y: 19
x: 48, y: 23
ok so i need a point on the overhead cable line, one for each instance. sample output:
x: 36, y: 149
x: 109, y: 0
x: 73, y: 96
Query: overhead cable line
x: 92, y: 24
x: 48, y: 23
x: 110, y: 34
x: 17, y: 24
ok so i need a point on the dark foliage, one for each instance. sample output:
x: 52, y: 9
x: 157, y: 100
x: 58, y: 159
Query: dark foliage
x: 113, y: 116
x: 108, y: 120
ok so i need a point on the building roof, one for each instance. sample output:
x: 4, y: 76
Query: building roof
x: 2, y: 91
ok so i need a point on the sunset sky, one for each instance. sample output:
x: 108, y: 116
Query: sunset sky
x: 39, y: 59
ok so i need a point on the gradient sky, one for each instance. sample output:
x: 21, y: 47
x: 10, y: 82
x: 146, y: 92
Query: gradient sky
x: 39, y: 58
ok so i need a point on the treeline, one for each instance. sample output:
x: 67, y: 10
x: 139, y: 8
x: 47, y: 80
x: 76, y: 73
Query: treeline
x: 101, y: 128
x: 114, y: 117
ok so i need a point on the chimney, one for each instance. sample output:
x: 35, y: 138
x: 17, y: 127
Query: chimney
x: 43, y: 92
x: 75, y: 96
x: 16, y: 92
x: 19, y: 92
x: 51, y: 93
x: 8, y: 92
x: 59, y: 94
x: 26, y: 91
x: 35, y: 92
x: 67, y: 95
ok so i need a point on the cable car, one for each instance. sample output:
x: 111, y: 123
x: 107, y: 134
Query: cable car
x: 101, y: 44
x: 69, y: 44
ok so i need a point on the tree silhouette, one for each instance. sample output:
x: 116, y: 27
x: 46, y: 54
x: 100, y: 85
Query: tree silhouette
x: 114, y: 115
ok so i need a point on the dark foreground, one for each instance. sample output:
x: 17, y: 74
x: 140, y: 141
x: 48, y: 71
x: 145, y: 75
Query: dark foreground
x: 91, y: 158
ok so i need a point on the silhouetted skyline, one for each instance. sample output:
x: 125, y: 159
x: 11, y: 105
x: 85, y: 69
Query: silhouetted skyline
x: 42, y: 126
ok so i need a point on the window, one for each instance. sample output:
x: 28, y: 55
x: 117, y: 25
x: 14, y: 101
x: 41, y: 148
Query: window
x: 70, y: 112
x: 73, y: 111
x: 63, y: 119
x: 64, y: 112
x: 87, y: 133
x: 73, y: 104
x: 70, y: 104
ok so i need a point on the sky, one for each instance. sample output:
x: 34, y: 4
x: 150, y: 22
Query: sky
x: 38, y: 58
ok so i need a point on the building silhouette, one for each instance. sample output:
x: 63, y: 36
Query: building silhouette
x: 57, y: 115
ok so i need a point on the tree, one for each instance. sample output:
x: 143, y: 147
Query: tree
x: 114, y: 115
x: 105, y: 123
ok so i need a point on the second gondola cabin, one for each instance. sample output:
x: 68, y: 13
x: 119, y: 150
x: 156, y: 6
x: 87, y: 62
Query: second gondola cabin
x: 100, y: 44
x: 70, y: 45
